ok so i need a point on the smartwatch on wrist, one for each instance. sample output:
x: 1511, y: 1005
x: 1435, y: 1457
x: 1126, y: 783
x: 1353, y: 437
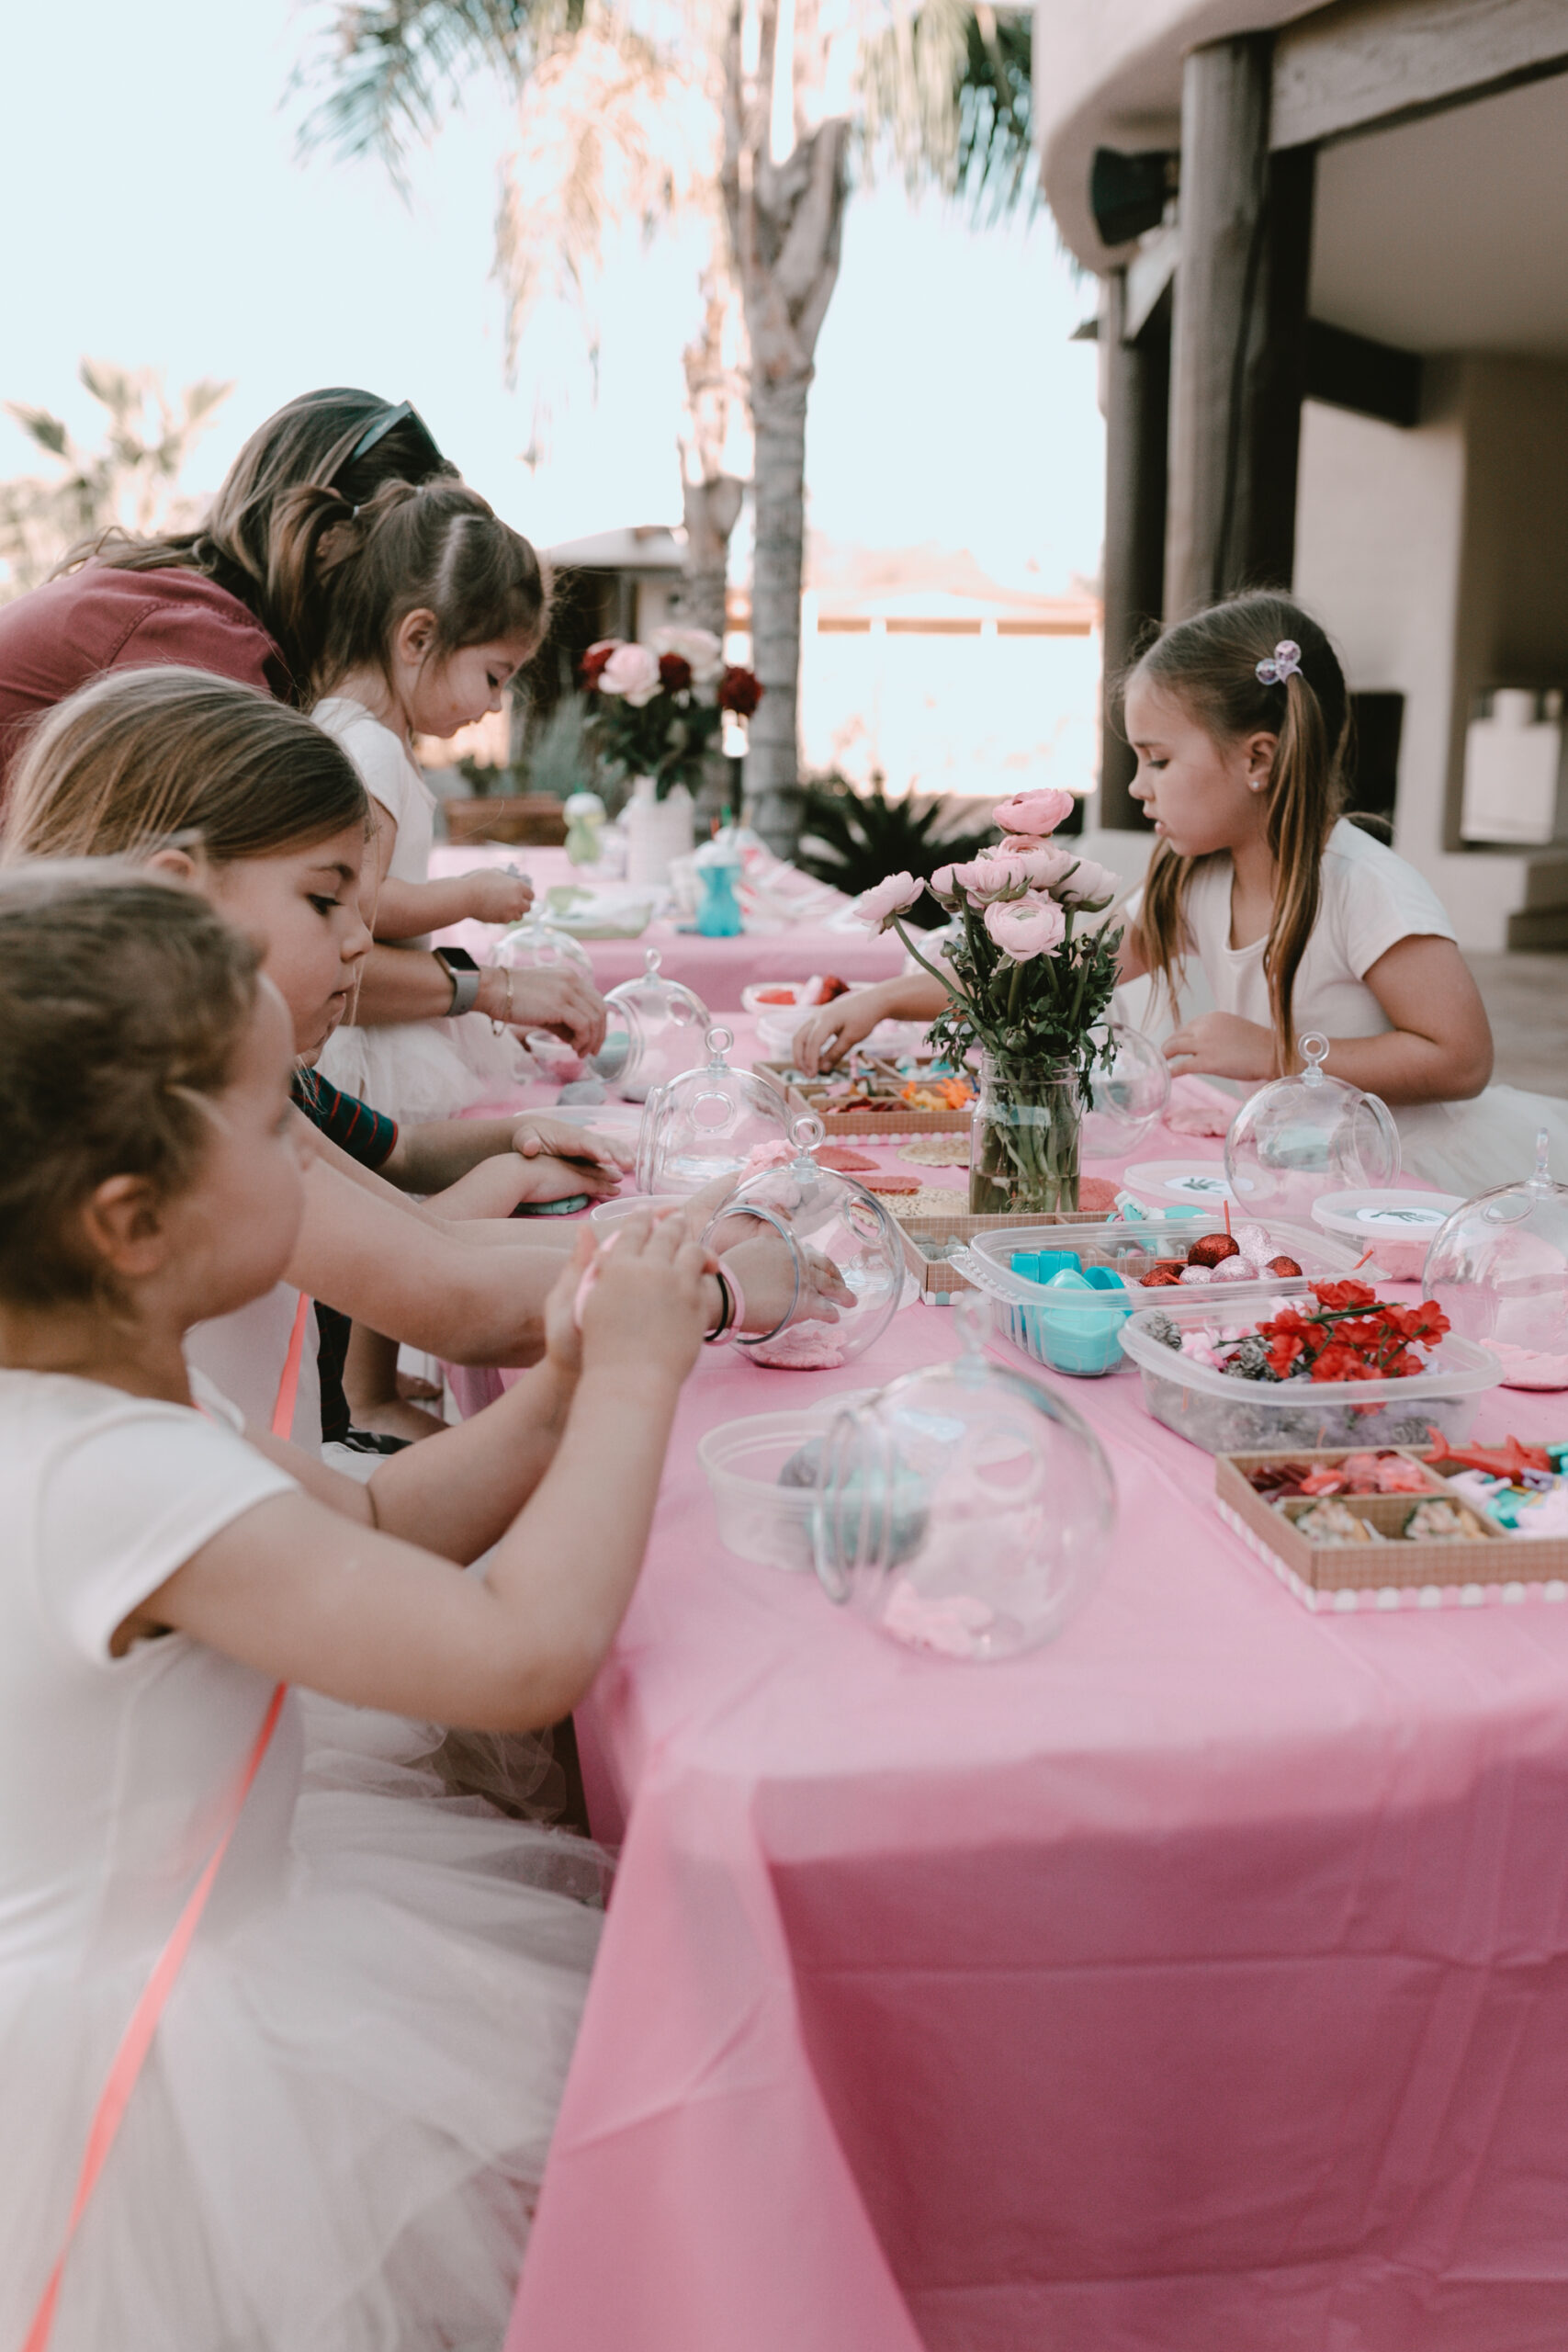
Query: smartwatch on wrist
x: 464, y: 973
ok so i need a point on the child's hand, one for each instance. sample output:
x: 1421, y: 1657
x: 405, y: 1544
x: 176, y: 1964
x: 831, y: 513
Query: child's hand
x: 765, y: 1268
x: 646, y: 1305
x: 1222, y: 1044
x: 533, y: 1135
x: 495, y: 896
x: 563, y: 1340
x: 548, y: 1178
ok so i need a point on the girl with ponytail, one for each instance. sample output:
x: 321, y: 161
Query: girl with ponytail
x: 1299, y: 919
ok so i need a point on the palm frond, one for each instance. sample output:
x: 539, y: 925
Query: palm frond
x: 389, y: 67
x: 945, y: 90
x: 854, y: 840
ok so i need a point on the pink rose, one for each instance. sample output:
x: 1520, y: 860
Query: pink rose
x: 1034, y: 812
x: 1088, y: 884
x: 1036, y: 863
x: 877, y: 907
x: 1026, y: 927
x: 631, y: 670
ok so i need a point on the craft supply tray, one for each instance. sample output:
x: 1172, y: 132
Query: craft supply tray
x: 1394, y: 1574
x: 806, y: 1094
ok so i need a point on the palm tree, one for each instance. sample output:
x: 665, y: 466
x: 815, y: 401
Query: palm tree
x: 132, y: 481
x: 755, y: 107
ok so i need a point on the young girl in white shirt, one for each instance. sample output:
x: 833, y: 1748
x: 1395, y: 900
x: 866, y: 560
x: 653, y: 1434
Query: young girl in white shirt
x: 1296, y: 919
x: 338, y: 2133
x: 426, y: 604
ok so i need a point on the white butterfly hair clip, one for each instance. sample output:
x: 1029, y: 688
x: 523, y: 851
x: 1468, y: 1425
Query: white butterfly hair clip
x: 1285, y: 661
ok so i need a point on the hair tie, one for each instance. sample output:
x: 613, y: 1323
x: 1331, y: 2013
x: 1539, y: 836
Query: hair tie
x: 1285, y: 661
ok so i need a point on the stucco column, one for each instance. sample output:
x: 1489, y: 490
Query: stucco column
x: 1239, y: 334
x: 1137, y: 406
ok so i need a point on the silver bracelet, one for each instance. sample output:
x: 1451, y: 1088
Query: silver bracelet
x: 501, y: 1025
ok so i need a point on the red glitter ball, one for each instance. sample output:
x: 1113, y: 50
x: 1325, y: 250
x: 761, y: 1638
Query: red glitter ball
x: 1282, y: 1266
x: 1160, y: 1277
x: 1210, y: 1247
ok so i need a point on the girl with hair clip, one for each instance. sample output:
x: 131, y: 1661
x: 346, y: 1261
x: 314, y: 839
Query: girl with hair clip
x: 350, y: 2015
x: 1298, y: 919
x: 423, y: 606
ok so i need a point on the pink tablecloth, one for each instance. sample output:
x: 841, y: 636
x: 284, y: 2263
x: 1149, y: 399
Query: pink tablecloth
x: 716, y: 968
x: 1197, y: 1984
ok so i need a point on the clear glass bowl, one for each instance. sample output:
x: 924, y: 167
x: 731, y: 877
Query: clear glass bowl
x: 965, y: 1509
x: 846, y: 1252
x: 1305, y: 1136
x: 668, y: 1022
x: 1499, y: 1270
x: 533, y: 942
x: 704, y: 1122
x: 1128, y: 1095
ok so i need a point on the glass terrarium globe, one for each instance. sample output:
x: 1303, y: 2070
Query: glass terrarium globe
x: 846, y: 1253
x: 671, y: 1023
x: 703, y: 1124
x: 533, y: 945
x: 965, y: 1509
x: 1499, y: 1270
x: 1307, y: 1134
x: 1128, y: 1094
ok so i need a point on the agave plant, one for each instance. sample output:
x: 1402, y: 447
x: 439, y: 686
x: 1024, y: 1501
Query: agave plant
x: 856, y: 838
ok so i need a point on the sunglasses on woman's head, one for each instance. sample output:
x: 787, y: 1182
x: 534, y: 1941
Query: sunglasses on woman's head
x: 405, y: 413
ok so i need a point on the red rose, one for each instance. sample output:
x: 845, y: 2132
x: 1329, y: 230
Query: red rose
x: 739, y: 691
x: 675, y: 673
x: 594, y: 661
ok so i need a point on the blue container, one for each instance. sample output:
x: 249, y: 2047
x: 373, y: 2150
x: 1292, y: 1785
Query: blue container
x: 1076, y: 1327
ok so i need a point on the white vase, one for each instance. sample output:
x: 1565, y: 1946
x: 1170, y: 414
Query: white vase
x: 656, y: 831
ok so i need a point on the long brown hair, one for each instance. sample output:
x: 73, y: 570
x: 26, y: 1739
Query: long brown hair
x: 143, y: 757
x: 312, y: 440
x: 122, y: 1004
x: 346, y: 576
x: 1209, y: 665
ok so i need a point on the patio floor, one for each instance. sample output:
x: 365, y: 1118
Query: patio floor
x: 1527, y: 1003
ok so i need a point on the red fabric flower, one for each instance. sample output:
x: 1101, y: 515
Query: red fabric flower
x: 675, y: 673
x: 1282, y: 1353
x: 1338, y: 1362
x: 1342, y: 1295
x: 739, y: 691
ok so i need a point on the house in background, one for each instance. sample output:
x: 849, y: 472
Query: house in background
x: 1333, y: 251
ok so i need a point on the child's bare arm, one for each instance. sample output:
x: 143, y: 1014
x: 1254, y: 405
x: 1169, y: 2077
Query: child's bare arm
x: 488, y: 893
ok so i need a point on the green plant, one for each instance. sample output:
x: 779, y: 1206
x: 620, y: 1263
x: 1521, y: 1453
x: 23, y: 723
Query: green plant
x: 853, y: 838
x: 560, y: 759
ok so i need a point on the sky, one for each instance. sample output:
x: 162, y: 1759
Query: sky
x: 159, y: 214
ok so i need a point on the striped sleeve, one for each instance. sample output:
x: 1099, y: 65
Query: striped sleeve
x: 365, y: 1135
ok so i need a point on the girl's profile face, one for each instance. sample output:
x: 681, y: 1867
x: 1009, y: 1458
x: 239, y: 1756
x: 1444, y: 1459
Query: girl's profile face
x: 235, y: 1229
x: 303, y: 906
x: 453, y: 690
x: 1197, y: 788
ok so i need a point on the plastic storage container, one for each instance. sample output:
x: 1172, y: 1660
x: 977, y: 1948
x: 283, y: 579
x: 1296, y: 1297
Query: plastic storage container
x: 847, y: 1253
x: 1224, y: 1415
x: 1308, y: 1135
x: 759, y: 1518
x: 1391, y: 1230
x: 965, y: 1509
x: 1499, y: 1270
x: 1077, y: 1331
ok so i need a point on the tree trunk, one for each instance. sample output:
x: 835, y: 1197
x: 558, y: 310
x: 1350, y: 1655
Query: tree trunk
x: 785, y: 226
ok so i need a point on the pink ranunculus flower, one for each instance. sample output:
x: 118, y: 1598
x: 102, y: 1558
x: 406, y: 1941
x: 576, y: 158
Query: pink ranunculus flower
x: 1088, y: 884
x: 942, y: 883
x: 1040, y: 863
x: 1034, y: 812
x: 984, y: 878
x: 631, y: 670
x: 1026, y: 927
x: 877, y: 907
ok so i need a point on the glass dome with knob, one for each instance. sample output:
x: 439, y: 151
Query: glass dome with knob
x: 1499, y: 1270
x: 847, y: 1254
x: 1307, y: 1134
x: 965, y: 1507
x: 667, y: 1021
x: 705, y: 1121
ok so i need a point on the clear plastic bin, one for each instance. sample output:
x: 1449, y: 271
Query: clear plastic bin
x: 1224, y: 1415
x: 758, y: 1519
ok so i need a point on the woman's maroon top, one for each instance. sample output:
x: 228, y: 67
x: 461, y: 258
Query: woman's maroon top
x: 53, y: 639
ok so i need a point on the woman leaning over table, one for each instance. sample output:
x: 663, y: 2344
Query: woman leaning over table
x: 209, y: 599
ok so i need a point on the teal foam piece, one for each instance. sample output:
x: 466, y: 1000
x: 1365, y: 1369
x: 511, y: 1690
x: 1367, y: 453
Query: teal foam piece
x: 1043, y: 1265
x: 1081, y: 1337
x: 1103, y: 1278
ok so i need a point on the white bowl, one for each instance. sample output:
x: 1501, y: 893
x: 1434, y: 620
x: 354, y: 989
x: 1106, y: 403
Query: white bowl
x: 758, y: 1519
x: 1396, y: 1229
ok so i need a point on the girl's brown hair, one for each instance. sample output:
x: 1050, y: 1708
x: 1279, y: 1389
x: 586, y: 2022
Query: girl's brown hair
x: 143, y: 757
x: 311, y: 441
x: 122, y: 1004
x: 347, y: 576
x: 1209, y: 665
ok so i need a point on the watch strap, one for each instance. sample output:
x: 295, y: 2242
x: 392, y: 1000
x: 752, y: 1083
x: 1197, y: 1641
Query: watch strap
x: 465, y: 985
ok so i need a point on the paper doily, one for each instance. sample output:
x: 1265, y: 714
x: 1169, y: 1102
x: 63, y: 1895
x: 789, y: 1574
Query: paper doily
x: 936, y: 1151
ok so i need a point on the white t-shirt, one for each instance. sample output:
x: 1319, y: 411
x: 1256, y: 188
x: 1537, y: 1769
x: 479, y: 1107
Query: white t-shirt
x: 1371, y: 901
x: 110, y: 1767
x: 389, y: 776
x: 243, y: 1356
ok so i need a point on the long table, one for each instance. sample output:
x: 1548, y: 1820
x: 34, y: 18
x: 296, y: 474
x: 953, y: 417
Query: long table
x: 1198, y: 1983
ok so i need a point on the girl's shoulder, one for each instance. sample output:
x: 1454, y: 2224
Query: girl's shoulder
x: 1374, y: 898
x: 380, y: 755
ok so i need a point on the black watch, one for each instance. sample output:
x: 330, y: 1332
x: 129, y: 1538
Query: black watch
x: 464, y: 973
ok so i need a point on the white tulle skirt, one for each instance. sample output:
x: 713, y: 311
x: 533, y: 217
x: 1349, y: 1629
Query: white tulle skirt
x: 417, y: 1070
x: 337, y: 2140
x: 1468, y: 1148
